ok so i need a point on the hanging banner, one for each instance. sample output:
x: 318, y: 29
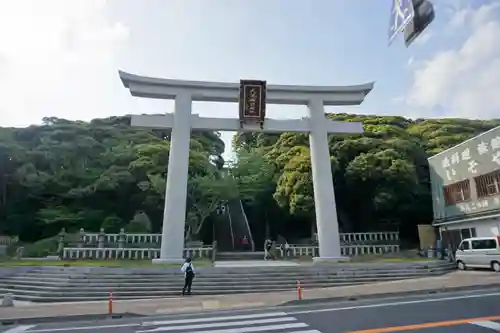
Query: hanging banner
x: 252, y: 101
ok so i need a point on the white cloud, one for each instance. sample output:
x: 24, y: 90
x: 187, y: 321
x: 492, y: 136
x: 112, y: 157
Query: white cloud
x: 464, y: 15
x: 464, y: 81
x: 55, y: 56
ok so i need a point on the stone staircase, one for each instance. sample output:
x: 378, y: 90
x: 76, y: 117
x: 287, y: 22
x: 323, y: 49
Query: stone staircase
x: 223, y: 232
x: 240, y: 226
x: 224, y: 256
x: 67, y: 284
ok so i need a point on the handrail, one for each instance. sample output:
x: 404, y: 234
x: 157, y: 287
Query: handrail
x: 230, y: 224
x: 248, y: 226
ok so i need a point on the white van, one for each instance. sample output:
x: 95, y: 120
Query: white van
x: 479, y: 252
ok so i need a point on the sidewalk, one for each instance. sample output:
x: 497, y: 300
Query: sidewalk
x: 199, y: 303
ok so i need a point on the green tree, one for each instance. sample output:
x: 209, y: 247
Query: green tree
x: 76, y: 174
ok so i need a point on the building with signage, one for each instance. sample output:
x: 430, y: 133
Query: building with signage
x: 465, y: 183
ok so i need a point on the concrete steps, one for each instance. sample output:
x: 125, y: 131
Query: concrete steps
x: 58, y: 284
x: 243, y: 255
x: 346, y: 268
x: 240, y: 278
x: 207, y: 275
x: 107, y: 285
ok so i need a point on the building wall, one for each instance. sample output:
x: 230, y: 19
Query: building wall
x: 484, y: 228
x: 470, y: 159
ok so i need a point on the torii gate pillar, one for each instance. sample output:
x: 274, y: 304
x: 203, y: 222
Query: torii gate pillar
x: 182, y: 121
x: 324, y: 195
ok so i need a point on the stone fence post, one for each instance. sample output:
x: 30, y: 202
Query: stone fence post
x: 101, y: 238
x: 60, y: 245
x: 81, y: 239
x: 122, y: 237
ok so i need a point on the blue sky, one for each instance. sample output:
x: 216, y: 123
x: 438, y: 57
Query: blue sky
x: 60, y: 58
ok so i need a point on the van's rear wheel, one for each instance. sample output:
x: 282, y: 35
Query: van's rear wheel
x: 495, y: 265
x: 461, y: 266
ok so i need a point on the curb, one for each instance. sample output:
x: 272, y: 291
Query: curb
x: 63, y: 318
x: 388, y: 295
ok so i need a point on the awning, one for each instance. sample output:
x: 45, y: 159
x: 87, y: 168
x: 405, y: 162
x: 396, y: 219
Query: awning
x: 465, y: 220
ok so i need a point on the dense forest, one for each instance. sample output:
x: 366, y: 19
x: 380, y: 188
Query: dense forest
x: 104, y: 174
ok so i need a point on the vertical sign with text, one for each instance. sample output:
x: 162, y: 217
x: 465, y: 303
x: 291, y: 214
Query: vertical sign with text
x: 252, y: 101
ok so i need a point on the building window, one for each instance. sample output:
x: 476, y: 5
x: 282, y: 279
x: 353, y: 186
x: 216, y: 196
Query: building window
x: 488, y: 184
x: 473, y: 232
x: 457, y: 192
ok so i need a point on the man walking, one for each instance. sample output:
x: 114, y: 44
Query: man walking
x: 188, y: 270
x: 268, y: 246
x: 285, y: 249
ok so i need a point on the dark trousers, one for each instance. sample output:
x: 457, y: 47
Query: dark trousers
x: 188, y: 281
x: 270, y: 253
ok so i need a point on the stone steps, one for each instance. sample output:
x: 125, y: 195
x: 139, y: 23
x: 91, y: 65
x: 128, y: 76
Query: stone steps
x: 230, y: 271
x: 171, y: 291
x: 305, y: 265
x: 138, y: 277
x: 117, y: 290
x: 223, y: 256
x: 242, y: 279
x: 205, y: 282
x: 89, y: 284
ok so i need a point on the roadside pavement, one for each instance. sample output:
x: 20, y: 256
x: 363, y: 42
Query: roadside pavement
x: 156, y: 306
x: 457, y: 312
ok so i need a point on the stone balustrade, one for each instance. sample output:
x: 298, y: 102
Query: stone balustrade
x: 8, y: 240
x: 122, y: 239
x: 139, y: 246
x: 127, y: 238
x: 101, y: 238
x: 347, y: 251
x: 365, y: 237
x: 72, y: 253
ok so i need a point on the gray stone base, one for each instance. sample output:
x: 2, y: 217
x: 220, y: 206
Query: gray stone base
x: 8, y: 300
x: 330, y: 259
x: 163, y: 261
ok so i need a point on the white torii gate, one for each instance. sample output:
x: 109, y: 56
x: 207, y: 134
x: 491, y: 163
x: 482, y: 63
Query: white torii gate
x: 182, y: 121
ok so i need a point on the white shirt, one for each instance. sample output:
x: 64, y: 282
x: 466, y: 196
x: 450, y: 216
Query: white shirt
x: 186, y: 265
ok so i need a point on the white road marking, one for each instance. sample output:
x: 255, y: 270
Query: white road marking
x: 213, y: 319
x: 381, y: 305
x: 488, y: 324
x: 273, y: 321
x: 223, y: 324
x: 19, y: 329
x: 247, y: 329
x: 80, y: 328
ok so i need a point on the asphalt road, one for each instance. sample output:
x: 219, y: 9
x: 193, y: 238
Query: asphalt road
x: 467, y: 312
